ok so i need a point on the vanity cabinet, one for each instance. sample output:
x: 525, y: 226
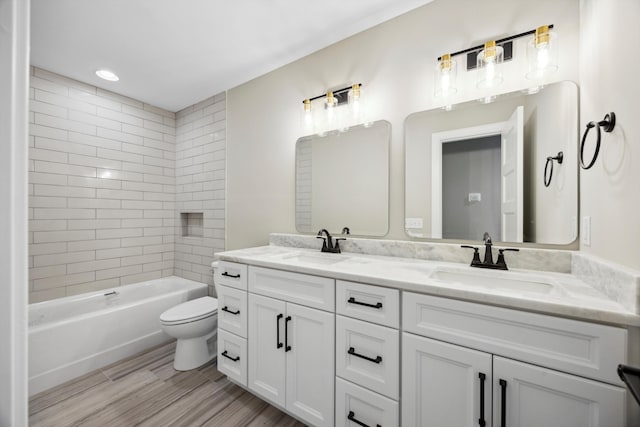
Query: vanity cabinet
x: 458, y: 373
x: 291, y: 346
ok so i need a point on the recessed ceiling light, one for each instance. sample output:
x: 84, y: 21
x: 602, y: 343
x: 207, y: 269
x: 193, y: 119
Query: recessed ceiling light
x: 107, y: 75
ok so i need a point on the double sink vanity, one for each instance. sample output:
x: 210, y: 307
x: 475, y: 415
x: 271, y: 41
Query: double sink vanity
x: 386, y: 340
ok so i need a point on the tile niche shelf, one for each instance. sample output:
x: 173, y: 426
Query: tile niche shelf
x: 192, y: 223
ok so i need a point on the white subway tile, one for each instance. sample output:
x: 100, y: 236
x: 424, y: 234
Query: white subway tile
x: 91, y: 245
x: 119, y: 213
x: 118, y: 252
x: 102, y: 264
x: 159, y: 127
x: 93, y: 224
x: 98, y: 285
x: 146, y: 204
x: 141, y: 186
x: 133, y: 223
x: 48, y: 109
x: 119, y: 98
x: 64, y: 191
x: 93, y: 204
x: 64, y: 146
x: 47, y: 202
x: 65, y: 124
x: 91, y: 98
x: 136, y: 130
x: 136, y: 278
x: 155, y: 170
x: 118, y: 272
x: 118, y: 233
x: 159, y: 196
x: 160, y: 248
x: 81, y: 181
x: 47, y: 225
x: 119, y: 155
x: 159, y: 145
x: 158, y: 179
x: 49, y: 271
x: 141, y: 241
x: 63, y: 258
x: 119, y: 116
x: 140, y: 149
x: 64, y: 169
x: 47, y: 132
x: 53, y: 213
x: 121, y: 175
x: 95, y: 141
x: 62, y: 80
x: 47, y: 248
x: 139, y: 112
x: 120, y: 136
x: 92, y: 119
x: 158, y: 266
x: 160, y: 111
x: 119, y: 194
x: 47, y: 295
x: 62, y: 236
x: 98, y: 162
x: 142, y: 259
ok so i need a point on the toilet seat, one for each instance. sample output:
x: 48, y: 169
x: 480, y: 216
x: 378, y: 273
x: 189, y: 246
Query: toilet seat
x: 190, y: 311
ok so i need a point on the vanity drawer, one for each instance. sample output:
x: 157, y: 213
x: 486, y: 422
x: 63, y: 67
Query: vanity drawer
x: 366, y: 302
x: 368, y: 355
x: 232, y: 356
x: 312, y: 291
x: 232, y: 310
x: 363, y: 405
x: 231, y: 274
x: 587, y: 349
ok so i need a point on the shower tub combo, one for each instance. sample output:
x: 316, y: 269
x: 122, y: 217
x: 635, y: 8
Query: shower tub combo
x: 71, y: 336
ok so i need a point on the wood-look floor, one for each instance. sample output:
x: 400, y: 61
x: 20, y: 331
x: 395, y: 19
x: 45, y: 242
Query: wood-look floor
x: 145, y: 390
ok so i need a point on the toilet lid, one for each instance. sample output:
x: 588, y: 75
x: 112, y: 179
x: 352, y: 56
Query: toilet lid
x: 190, y: 310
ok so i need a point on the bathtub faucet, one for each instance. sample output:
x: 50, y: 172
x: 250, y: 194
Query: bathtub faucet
x: 110, y: 293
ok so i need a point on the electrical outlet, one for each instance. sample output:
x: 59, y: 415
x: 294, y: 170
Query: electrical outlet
x: 585, y: 230
x: 412, y: 223
x: 475, y: 197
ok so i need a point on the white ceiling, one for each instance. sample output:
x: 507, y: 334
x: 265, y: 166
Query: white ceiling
x: 174, y: 53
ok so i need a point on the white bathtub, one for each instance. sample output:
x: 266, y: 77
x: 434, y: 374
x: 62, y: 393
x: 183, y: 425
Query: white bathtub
x: 71, y: 336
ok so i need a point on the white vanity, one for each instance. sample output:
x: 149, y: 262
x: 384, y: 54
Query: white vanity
x: 352, y: 339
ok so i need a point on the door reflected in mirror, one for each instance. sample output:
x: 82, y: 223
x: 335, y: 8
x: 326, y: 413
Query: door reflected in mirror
x: 480, y: 168
x: 342, y: 180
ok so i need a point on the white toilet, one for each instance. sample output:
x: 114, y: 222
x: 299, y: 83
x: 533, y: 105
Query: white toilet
x: 195, y: 324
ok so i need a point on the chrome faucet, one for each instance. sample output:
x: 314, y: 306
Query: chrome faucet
x: 327, y: 243
x: 500, y: 264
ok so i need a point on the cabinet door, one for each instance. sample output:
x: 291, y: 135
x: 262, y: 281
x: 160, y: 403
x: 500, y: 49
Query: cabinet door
x: 441, y: 384
x: 535, y: 396
x: 310, y: 364
x: 266, y: 356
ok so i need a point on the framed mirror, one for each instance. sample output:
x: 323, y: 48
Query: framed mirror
x: 481, y: 168
x: 342, y: 180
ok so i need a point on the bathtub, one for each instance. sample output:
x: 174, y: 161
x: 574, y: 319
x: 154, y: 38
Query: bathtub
x: 71, y: 336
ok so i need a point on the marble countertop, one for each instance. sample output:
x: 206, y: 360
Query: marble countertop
x: 553, y: 293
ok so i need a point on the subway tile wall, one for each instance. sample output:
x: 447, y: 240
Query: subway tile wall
x: 200, y: 184
x: 102, y: 187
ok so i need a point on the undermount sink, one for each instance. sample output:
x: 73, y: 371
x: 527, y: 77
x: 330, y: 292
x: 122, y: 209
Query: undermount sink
x: 495, y: 280
x: 320, y: 258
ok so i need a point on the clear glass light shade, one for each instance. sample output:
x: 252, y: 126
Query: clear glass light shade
x: 445, y: 77
x: 542, y: 54
x: 357, y: 111
x: 307, y: 121
x: 488, y: 64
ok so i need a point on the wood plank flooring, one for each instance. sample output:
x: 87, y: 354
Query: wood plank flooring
x: 145, y: 390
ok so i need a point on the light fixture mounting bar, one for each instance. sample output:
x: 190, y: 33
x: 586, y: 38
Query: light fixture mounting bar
x: 506, y: 44
x: 336, y: 93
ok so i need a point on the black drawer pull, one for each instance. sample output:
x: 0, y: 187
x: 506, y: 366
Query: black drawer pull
x: 287, y: 347
x: 235, y: 359
x: 278, y: 343
x: 352, y: 351
x: 482, y: 421
x: 503, y: 409
x: 235, y: 313
x: 233, y: 276
x: 352, y: 300
x: 352, y: 417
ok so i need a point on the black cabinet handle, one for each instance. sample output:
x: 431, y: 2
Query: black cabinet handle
x: 481, y: 421
x: 278, y: 317
x: 352, y: 417
x: 235, y: 313
x: 233, y: 276
x: 225, y: 354
x: 352, y: 351
x: 503, y: 410
x: 287, y: 347
x: 352, y: 300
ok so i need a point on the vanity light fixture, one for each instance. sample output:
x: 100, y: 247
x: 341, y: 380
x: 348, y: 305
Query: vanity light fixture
x: 486, y: 58
x: 107, y: 75
x: 315, y: 121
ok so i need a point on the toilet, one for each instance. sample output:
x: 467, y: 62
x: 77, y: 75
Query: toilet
x: 194, y: 324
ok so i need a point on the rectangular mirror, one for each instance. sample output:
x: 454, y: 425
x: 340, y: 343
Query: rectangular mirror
x: 481, y: 168
x: 342, y: 180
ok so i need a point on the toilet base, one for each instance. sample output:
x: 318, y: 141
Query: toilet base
x: 194, y: 352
